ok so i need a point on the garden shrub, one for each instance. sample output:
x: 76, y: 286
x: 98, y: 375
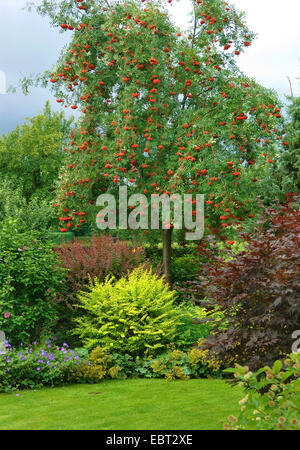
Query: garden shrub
x: 95, y: 258
x: 183, y: 268
x: 101, y: 256
x: 135, y: 314
x: 278, y: 407
x: 193, y: 327
x: 37, y: 365
x: 258, y: 292
x: 30, y: 277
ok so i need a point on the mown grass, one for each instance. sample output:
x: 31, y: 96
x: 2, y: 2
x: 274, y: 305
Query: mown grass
x: 135, y: 404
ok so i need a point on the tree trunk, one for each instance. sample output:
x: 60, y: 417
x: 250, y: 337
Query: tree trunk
x: 167, y: 249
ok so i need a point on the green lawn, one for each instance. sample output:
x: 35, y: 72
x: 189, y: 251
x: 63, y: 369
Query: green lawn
x: 122, y: 405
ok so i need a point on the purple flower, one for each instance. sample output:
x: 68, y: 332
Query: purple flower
x: 38, y: 368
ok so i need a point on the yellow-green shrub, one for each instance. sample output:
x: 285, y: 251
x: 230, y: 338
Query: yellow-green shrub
x: 135, y: 314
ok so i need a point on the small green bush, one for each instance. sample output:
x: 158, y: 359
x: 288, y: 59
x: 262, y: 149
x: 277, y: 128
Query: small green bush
x: 273, y: 401
x: 30, y: 277
x: 184, y: 268
x: 135, y: 314
x: 192, y: 328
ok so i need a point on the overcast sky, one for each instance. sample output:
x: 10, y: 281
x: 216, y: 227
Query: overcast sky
x: 29, y: 45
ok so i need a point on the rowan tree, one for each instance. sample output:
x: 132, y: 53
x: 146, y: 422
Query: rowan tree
x: 164, y: 110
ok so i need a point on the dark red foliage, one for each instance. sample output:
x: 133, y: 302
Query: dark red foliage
x: 258, y: 292
x: 101, y: 256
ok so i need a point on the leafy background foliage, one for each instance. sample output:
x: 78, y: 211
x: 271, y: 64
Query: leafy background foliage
x: 37, y: 152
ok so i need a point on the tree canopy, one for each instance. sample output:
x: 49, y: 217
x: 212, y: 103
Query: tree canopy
x: 31, y: 155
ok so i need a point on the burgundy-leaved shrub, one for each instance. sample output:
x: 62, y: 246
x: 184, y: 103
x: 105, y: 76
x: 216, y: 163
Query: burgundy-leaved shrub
x: 258, y: 292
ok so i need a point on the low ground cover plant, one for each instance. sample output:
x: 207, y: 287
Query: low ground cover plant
x: 194, y: 363
x: 49, y: 364
x: 171, y: 364
x: 38, y: 365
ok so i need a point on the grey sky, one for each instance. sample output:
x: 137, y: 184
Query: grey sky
x: 29, y: 45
